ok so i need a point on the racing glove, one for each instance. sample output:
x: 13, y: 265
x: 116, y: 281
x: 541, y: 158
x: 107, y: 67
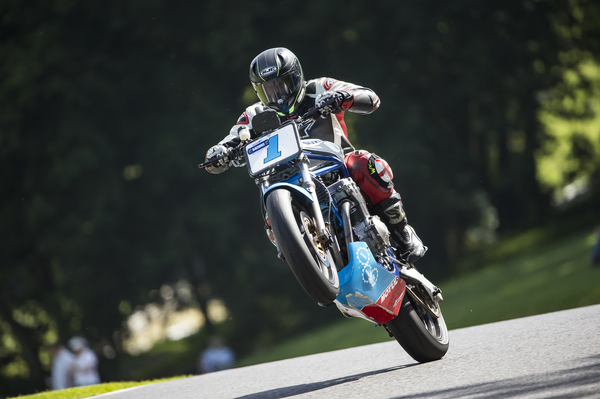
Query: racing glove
x: 342, y: 100
x: 220, y: 154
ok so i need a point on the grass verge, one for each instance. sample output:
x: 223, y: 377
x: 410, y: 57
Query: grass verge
x: 89, y: 391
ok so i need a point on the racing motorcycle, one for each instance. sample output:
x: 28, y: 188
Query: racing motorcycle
x: 339, y: 252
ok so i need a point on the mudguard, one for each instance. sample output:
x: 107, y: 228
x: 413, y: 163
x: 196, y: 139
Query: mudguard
x: 368, y: 290
x: 290, y: 187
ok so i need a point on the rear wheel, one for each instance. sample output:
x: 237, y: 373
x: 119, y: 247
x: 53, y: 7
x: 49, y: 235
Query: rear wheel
x: 422, y: 334
x: 296, y: 234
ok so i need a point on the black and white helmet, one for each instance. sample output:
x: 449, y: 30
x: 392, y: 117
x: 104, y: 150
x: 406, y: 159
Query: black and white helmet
x: 278, y: 80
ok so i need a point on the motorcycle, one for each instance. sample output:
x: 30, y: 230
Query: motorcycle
x: 340, y: 253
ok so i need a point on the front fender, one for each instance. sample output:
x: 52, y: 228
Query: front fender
x: 298, y: 190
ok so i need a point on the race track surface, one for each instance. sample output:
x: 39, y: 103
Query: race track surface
x: 555, y: 355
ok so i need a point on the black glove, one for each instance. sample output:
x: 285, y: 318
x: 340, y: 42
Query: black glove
x: 340, y: 101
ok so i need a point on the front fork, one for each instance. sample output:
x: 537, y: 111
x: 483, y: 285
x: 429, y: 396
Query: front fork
x: 323, y: 234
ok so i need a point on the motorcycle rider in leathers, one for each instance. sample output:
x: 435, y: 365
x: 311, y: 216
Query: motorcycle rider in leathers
x: 278, y: 80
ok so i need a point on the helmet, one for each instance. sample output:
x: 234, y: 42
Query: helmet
x: 277, y: 78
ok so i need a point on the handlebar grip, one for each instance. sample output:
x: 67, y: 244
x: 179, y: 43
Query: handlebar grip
x: 234, y: 152
x: 315, y: 110
x: 206, y: 163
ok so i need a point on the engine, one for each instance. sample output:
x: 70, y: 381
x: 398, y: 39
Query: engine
x: 368, y: 228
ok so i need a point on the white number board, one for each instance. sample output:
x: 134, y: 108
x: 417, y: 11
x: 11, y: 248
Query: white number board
x: 272, y: 149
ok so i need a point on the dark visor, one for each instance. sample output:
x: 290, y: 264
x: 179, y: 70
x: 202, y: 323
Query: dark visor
x: 272, y: 91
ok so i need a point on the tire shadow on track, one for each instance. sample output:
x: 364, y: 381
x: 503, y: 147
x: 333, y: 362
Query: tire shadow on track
x: 307, y: 388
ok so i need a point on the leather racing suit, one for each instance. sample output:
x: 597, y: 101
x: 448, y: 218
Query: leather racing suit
x: 370, y: 172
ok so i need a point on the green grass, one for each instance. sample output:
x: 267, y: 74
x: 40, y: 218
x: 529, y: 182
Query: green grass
x: 524, y: 275
x: 553, y: 276
x: 92, y: 390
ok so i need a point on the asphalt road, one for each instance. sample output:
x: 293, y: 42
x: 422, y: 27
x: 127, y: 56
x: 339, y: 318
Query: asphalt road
x: 556, y: 355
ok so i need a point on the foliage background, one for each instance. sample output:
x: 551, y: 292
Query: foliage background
x: 489, y: 109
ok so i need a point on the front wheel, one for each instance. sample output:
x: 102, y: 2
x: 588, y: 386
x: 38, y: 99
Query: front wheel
x: 422, y: 335
x: 296, y: 234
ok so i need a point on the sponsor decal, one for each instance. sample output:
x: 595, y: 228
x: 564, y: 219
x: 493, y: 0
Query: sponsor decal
x: 371, y: 168
x: 258, y: 147
x: 398, y: 300
x: 388, y: 290
x: 363, y: 255
x: 268, y: 70
x: 369, y: 275
x: 311, y: 142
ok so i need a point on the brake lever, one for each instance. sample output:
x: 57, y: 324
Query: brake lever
x: 233, y: 151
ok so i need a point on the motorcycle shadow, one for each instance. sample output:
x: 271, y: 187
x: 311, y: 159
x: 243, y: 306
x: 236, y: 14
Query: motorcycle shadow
x: 316, y: 386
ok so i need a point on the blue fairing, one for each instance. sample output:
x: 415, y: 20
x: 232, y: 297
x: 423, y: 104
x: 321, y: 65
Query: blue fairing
x: 293, y: 184
x: 367, y: 289
x: 336, y: 164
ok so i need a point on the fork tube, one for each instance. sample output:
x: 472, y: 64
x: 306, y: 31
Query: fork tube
x: 347, y: 225
x: 309, y: 185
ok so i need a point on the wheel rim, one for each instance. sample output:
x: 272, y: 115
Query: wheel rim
x: 430, y: 314
x: 309, y: 233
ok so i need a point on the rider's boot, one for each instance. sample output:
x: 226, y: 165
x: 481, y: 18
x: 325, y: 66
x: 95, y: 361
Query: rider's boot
x: 391, y: 211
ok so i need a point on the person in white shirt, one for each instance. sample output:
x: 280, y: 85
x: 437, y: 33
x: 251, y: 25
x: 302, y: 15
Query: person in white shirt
x: 85, y: 363
x: 62, y: 362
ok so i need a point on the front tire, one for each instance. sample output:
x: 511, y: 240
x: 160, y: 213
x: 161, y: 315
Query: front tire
x: 423, y: 336
x: 295, y: 232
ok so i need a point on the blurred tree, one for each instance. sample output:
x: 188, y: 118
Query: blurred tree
x: 570, y: 111
x: 459, y: 84
x: 107, y: 108
x: 106, y: 111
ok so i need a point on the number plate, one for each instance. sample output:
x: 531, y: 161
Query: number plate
x: 273, y: 149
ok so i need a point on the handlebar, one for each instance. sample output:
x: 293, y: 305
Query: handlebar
x: 300, y: 121
x: 229, y: 154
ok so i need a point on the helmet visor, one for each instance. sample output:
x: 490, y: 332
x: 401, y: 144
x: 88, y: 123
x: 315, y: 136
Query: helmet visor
x: 282, y: 88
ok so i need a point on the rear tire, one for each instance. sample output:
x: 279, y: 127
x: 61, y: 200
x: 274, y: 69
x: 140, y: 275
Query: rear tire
x: 423, y: 336
x: 295, y: 232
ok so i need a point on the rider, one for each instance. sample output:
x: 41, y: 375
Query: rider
x: 278, y: 80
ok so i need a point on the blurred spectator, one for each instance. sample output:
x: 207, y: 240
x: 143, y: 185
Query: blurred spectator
x: 85, y: 363
x: 596, y: 251
x: 62, y: 361
x: 216, y: 357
